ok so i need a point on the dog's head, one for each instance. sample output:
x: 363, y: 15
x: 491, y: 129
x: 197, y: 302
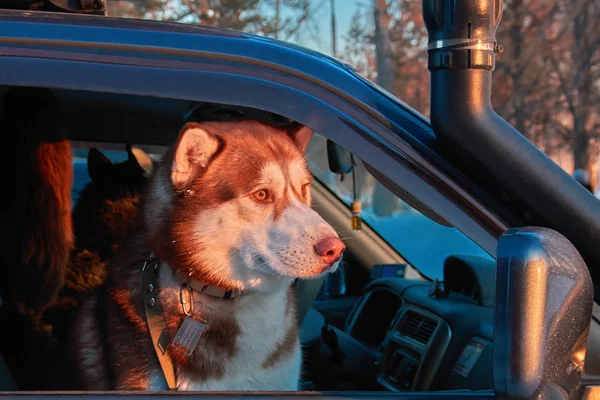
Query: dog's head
x: 230, y: 206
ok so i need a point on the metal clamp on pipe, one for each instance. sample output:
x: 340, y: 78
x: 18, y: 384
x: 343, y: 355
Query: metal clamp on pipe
x: 462, y: 34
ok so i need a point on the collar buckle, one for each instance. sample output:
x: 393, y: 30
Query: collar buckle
x: 151, y: 260
x: 186, y: 298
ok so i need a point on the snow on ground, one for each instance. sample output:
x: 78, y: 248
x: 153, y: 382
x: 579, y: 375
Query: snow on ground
x: 422, y: 242
x: 425, y: 244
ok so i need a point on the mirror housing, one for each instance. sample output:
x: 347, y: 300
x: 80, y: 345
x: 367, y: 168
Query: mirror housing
x: 340, y: 159
x: 544, y: 299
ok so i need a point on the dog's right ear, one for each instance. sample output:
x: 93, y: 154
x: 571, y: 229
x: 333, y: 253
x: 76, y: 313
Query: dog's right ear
x: 194, y: 150
x: 139, y: 158
x: 300, y: 135
x: 98, y: 165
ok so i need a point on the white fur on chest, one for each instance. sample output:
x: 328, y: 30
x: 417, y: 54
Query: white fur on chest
x: 263, y: 324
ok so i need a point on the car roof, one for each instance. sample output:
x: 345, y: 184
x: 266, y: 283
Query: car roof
x: 135, y: 39
x: 133, y: 36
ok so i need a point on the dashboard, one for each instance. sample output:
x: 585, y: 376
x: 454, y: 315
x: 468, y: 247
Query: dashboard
x: 409, y: 335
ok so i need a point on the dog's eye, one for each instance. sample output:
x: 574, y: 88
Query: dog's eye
x: 261, y: 195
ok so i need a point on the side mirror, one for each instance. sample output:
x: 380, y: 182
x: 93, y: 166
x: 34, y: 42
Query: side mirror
x: 544, y: 298
x: 340, y: 159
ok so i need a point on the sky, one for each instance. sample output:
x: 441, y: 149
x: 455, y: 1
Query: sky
x: 344, y: 10
x: 315, y: 33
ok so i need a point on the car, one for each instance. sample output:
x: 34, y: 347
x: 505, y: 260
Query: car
x: 471, y: 282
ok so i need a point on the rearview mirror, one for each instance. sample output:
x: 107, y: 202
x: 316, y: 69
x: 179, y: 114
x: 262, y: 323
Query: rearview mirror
x: 340, y: 159
x: 544, y: 298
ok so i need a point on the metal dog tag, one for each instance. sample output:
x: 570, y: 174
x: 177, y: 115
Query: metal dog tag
x: 188, y: 335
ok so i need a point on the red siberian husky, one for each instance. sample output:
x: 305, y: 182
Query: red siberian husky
x: 202, y: 296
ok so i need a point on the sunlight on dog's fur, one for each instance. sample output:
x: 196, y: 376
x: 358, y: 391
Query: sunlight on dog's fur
x: 241, y: 239
x: 229, y: 207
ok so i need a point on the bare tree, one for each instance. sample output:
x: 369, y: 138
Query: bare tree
x: 546, y: 82
x: 359, y: 49
x: 384, y: 201
x: 521, y: 83
x: 408, y: 41
x: 577, y: 69
x: 282, y: 19
x: 382, y: 44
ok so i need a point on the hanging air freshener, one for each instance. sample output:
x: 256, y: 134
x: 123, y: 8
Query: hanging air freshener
x: 356, y: 206
x: 356, y: 222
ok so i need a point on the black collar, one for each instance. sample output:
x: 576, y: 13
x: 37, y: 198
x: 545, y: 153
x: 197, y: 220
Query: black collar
x: 199, y: 287
x: 207, y: 289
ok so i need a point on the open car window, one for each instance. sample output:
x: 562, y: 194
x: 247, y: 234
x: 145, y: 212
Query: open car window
x: 424, y: 243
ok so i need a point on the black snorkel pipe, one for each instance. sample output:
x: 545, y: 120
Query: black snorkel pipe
x: 462, y: 52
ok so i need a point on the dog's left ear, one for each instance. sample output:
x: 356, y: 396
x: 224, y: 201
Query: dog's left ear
x: 194, y: 150
x: 100, y: 168
x: 300, y: 135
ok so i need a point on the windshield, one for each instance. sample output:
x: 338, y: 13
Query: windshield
x: 424, y: 243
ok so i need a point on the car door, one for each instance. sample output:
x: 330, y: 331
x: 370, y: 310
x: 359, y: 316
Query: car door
x: 198, y: 65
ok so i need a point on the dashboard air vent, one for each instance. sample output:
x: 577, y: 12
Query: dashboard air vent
x: 417, y: 326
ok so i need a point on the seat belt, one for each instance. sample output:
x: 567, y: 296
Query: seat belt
x: 156, y: 323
